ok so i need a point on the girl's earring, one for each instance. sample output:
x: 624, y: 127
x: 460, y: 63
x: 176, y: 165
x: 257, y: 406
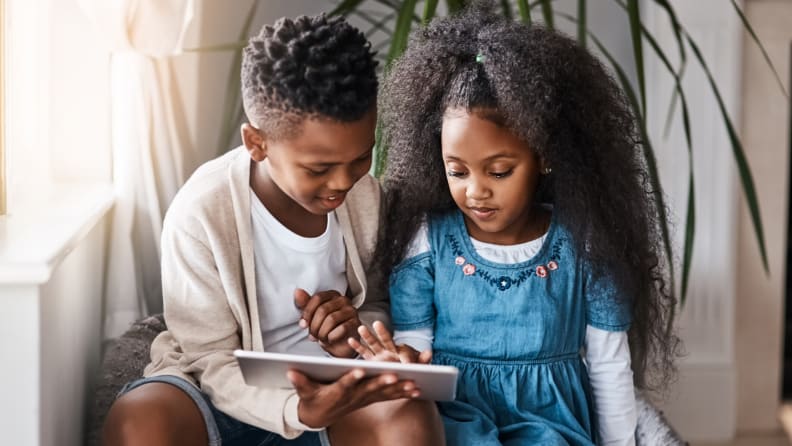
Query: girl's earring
x: 547, y: 170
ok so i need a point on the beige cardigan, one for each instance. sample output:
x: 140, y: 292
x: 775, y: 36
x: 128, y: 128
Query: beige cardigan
x: 209, y: 286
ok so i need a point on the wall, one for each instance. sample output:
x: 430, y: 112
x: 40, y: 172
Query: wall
x: 760, y: 298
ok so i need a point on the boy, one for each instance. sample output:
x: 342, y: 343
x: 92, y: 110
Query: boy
x: 266, y: 248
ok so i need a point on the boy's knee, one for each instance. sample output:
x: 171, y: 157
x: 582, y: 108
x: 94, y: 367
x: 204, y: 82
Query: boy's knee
x: 154, y: 414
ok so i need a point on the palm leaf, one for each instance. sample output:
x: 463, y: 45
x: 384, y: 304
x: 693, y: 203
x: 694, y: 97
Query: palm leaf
x: 525, y: 11
x: 635, y: 32
x: 547, y: 12
x: 759, y: 44
x: 648, y: 151
x: 402, y: 30
x: 430, y: 7
x: 345, y: 7
x: 739, y: 157
x: 455, y: 5
x: 507, y: 9
x: 581, y: 25
x: 690, y: 223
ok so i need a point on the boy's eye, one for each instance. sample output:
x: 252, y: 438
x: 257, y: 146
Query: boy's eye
x: 503, y: 174
x: 316, y: 173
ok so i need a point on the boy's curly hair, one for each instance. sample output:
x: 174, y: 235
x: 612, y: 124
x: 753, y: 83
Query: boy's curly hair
x: 558, y: 98
x: 315, y: 66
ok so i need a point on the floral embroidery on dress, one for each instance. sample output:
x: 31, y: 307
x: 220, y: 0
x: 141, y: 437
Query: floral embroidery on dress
x: 503, y: 283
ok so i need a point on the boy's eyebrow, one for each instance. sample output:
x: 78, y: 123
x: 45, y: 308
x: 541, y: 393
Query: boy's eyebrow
x: 365, y: 154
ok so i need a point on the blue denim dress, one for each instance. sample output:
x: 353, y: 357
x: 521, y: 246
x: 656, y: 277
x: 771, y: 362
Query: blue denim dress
x: 515, y: 331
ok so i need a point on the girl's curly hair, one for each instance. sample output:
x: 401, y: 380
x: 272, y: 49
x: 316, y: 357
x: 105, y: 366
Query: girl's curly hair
x: 307, y: 67
x: 557, y: 97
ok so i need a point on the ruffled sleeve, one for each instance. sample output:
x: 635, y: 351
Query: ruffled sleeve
x: 412, y: 285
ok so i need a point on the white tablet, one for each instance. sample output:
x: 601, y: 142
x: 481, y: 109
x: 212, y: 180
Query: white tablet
x: 436, y: 382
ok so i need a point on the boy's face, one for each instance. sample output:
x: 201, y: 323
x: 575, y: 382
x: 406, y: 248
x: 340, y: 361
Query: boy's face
x: 492, y: 176
x: 314, y: 168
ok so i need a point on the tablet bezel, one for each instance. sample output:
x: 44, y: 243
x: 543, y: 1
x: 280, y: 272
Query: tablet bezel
x: 267, y: 369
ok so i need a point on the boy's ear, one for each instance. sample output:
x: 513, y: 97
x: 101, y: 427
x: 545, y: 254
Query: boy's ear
x: 255, y: 142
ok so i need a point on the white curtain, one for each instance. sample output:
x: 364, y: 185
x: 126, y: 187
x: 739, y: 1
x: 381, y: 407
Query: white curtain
x: 148, y: 145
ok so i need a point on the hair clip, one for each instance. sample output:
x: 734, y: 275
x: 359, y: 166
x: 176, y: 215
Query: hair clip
x: 480, y: 58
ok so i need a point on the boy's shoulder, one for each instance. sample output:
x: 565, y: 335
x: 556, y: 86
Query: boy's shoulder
x: 209, y: 189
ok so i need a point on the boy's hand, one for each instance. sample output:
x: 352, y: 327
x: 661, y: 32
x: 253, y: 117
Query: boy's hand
x: 330, y: 319
x: 321, y: 405
x: 380, y: 347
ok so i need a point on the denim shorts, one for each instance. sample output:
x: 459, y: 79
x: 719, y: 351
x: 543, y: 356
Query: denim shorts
x: 226, y: 430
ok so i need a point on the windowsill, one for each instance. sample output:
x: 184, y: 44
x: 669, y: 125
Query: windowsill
x: 37, y: 237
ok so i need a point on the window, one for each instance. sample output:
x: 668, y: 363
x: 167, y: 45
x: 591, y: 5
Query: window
x: 2, y: 110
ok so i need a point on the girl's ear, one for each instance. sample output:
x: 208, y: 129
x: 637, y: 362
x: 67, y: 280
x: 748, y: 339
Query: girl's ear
x: 544, y: 167
x: 255, y: 142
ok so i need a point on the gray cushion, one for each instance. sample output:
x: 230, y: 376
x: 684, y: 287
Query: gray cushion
x: 125, y: 358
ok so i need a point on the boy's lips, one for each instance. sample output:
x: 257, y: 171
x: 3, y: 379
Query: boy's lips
x: 333, y: 201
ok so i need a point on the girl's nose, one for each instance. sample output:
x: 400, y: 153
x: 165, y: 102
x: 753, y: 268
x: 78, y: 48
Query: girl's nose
x: 477, y: 190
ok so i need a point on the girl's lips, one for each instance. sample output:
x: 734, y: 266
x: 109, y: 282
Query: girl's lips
x: 483, y: 213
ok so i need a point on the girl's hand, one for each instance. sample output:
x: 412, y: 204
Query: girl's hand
x: 380, y: 347
x: 321, y: 405
x: 330, y: 319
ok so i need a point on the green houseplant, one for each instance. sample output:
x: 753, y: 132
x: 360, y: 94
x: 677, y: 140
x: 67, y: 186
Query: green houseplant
x: 396, y: 18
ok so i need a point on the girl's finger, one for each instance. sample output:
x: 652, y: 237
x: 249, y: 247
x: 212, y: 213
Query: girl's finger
x: 360, y: 349
x: 372, y: 341
x: 425, y: 357
x: 384, y: 336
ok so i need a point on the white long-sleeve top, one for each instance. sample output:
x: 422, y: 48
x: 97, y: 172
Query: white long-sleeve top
x: 607, y: 353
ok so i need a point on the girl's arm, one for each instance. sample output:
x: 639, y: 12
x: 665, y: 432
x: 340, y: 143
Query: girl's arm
x: 608, y: 363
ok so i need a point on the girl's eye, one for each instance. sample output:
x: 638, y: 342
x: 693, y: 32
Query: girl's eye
x: 455, y: 173
x: 501, y: 174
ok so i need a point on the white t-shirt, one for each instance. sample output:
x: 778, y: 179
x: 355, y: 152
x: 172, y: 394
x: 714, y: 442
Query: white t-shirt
x: 286, y: 261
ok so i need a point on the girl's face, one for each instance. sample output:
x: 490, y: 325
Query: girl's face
x: 492, y: 176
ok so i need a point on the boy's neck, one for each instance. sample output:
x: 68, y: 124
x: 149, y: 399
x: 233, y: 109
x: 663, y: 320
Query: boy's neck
x: 289, y: 213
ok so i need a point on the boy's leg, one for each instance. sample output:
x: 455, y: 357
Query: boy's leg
x: 155, y: 413
x: 413, y: 422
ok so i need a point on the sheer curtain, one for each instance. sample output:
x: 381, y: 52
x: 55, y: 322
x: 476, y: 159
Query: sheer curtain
x: 148, y: 145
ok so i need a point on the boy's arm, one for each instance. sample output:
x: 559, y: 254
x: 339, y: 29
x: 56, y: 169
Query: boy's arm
x: 204, y: 330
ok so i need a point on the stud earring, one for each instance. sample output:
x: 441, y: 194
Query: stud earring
x: 547, y: 170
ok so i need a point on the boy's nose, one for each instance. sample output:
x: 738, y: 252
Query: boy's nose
x: 343, y: 180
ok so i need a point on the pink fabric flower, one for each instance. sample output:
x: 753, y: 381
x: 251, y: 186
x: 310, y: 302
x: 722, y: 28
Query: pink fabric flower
x: 459, y: 260
x: 552, y: 265
x: 469, y: 269
x: 541, y: 271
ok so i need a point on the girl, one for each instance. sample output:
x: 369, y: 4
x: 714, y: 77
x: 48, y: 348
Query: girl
x: 521, y: 236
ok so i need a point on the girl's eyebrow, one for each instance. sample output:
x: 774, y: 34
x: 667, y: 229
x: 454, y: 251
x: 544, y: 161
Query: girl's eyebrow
x: 486, y: 160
